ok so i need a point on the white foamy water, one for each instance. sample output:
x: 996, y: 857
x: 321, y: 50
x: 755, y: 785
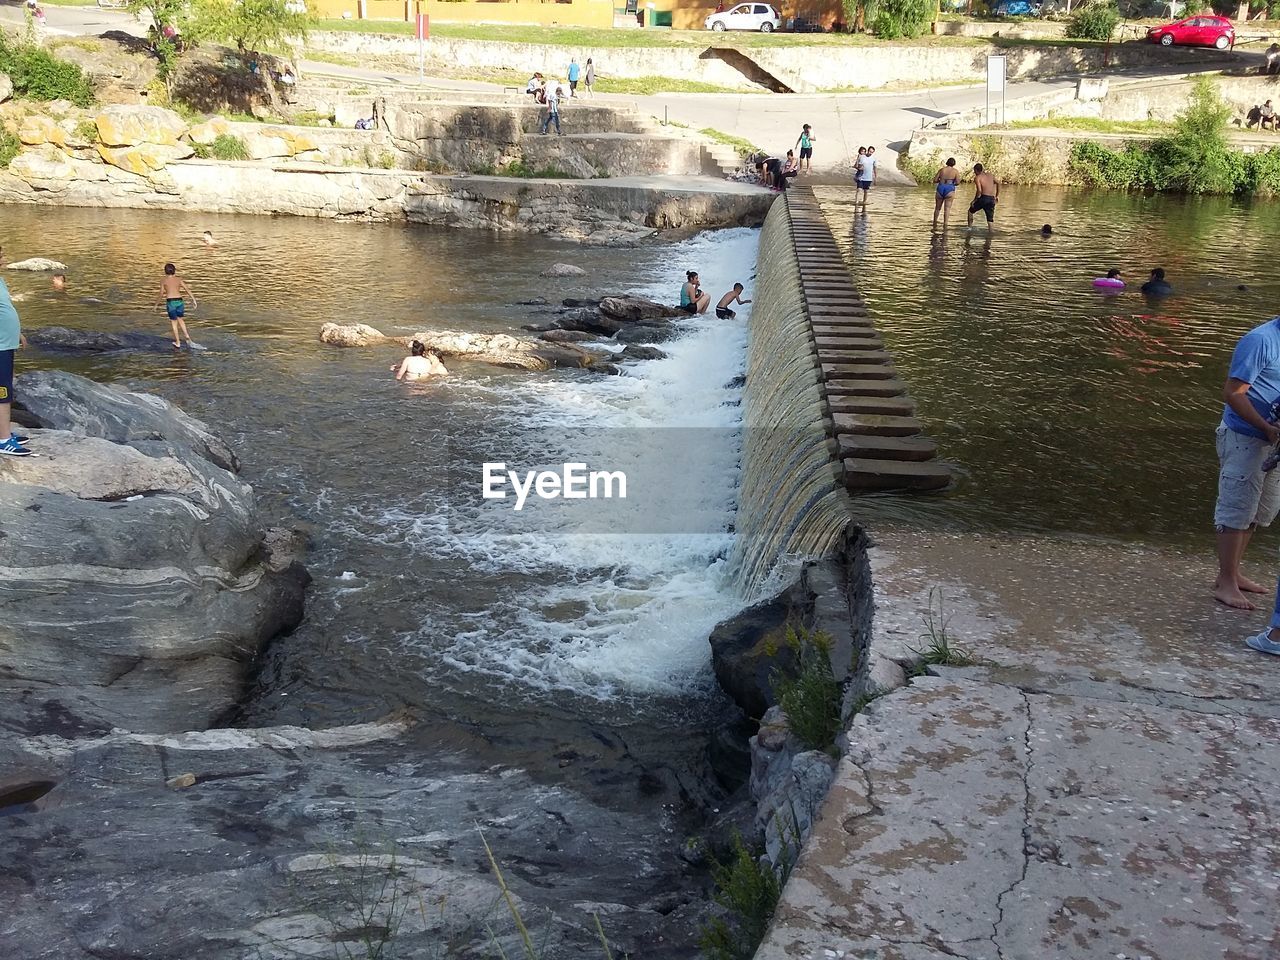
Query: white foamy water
x: 608, y: 614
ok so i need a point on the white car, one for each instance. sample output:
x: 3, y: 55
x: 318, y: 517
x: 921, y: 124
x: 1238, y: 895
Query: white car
x: 746, y: 16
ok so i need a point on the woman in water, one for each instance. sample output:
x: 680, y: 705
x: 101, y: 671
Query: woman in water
x: 692, y: 299
x: 419, y: 364
x: 947, y: 179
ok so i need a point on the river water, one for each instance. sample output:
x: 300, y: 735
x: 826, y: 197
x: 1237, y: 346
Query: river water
x: 582, y: 659
x: 1065, y: 409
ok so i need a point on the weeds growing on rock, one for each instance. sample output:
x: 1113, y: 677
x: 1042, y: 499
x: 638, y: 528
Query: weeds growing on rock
x: 227, y: 146
x: 9, y: 147
x: 747, y: 891
x: 811, y: 696
x: 939, y: 649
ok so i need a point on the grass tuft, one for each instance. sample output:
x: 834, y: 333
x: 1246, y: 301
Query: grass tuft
x: 811, y: 696
x: 747, y: 890
x: 939, y: 650
x: 227, y: 146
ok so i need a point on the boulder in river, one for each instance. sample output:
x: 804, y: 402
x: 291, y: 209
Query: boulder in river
x: 637, y: 309
x: 140, y: 580
x: 500, y: 349
x: 37, y: 264
x: 563, y: 270
x: 97, y: 341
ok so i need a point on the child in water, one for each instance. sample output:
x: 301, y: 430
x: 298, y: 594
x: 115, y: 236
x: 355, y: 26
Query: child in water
x: 172, y: 289
x: 419, y: 364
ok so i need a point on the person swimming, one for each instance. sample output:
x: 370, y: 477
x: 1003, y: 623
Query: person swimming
x: 692, y: 299
x: 1157, y: 286
x: 1046, y: 230
x: 1111, y: 281
x: 946, y: 179
x: 207, y: 239
x: 419, y: 364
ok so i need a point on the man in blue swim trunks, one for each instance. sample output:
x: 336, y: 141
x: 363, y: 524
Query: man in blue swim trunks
x: 11, y: 338
x: 947, y: 179
x: 988, y: 191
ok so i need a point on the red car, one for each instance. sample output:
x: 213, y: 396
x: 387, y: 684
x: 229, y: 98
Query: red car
x: 1205, y: 30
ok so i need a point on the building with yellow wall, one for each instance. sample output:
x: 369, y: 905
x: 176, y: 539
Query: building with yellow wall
x: 680, y: 14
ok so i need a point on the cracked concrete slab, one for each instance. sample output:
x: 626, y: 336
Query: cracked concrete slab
x: 1096, y: 786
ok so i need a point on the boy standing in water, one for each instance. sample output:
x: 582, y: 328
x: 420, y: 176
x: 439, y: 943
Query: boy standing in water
x: 172, y: 288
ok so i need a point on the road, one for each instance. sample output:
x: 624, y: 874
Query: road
x: 841, y: 122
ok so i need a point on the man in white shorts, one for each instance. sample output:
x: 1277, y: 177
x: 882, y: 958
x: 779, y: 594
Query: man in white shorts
x: 1248, y: 498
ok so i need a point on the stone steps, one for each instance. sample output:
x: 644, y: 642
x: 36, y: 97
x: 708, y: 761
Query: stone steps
x: 879, y: 439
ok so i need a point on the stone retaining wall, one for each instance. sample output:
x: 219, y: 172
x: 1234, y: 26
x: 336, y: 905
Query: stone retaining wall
x: 803, y: 69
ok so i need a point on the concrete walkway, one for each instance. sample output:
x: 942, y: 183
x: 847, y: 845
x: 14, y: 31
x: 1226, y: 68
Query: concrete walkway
x: 1101, y: 785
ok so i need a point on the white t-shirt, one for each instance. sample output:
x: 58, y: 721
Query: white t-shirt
x: 866, y: 168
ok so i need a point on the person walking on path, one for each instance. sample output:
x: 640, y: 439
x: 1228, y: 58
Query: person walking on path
x: 589, y: 78
x: 946, y: 179
x: 987, y: 191
x: 866, y: 172
x: 553, y: 109
x: 805, y: 143
x: 11, y: 338
x: 1248, y: 496
x: 172, y: 290
x: 575, y: 72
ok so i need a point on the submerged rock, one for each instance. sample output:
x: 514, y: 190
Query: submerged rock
x: 500, y: 349
x: 140, y: 580
x: 351, y: 335
x: 97, y: 341
x: 563, y: 270
x: 37, y: 264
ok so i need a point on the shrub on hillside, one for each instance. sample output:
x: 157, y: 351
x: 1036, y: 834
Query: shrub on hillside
x: 1097, y: 21
x: 39, y: 75
x: 9, y: 147
x: 899, y: 19
x: 227, y: 146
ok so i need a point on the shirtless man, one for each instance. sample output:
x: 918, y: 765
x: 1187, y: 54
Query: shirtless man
x: 172, y: 288
x: 733, y: 296
x: 987, y: 192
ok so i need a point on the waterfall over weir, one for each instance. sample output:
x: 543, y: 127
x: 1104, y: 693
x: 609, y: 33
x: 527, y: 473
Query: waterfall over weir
x: 793, y: 502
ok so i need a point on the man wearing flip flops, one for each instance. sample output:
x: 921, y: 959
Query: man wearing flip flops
x: 11, y: 339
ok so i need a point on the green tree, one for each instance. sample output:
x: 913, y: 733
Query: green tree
x: 898, y: 19
x: 257, y: 26
x: 1195, y: 157
x: 857, y: 13
x: 1096, y: 21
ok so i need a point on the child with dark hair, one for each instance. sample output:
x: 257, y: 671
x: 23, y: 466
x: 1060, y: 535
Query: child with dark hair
x: 172, y: 290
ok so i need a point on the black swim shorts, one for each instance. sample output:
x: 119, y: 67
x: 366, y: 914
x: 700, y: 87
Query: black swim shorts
x: 986, y: 204
x: 806, y: 153
x: 689, y: 307
x: 6, y: 377
x: 724, y: 313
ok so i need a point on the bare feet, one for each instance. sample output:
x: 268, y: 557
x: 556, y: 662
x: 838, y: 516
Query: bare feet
x: 1248, y: 586
x: 1230, y: 596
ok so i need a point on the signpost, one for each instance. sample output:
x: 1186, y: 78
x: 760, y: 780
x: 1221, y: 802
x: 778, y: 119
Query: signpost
x: 995, y: 84
x: 423, y: 33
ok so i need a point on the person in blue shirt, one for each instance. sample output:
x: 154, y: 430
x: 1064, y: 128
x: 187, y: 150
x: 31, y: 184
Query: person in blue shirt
x: 11, y: 338
x: 574, y: 72
x: 1248, y: 496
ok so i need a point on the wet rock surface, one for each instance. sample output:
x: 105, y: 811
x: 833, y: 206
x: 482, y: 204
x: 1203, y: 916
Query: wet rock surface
x: 1094, y: 783
x: 285, y: 842
x: 96, y: 341
x: 139, y: 580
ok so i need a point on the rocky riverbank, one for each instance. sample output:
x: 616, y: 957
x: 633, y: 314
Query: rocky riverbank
x: 140, y: 581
